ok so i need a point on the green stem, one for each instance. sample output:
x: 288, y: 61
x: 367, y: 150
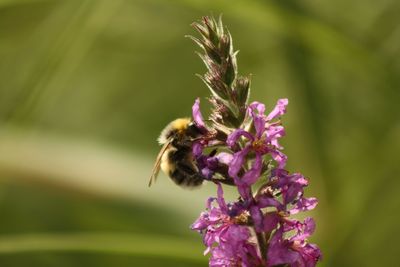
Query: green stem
x: 262, y: 245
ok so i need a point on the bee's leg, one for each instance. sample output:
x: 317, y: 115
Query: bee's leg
x: 227, y: 181
x: 212, y: 153
x: 223, y: 176
x: 195, y: 178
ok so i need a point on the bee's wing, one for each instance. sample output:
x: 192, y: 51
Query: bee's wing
x: 157, y: 164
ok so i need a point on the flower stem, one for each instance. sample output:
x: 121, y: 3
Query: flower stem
x: 262, y: 245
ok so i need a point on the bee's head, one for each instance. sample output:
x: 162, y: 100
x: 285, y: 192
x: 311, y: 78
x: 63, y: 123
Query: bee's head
x: 180, y: 126
x: 175, y: 129
x: 193, y: 131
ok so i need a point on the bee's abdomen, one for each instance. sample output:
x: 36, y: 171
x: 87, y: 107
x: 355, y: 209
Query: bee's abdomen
x: 182, y: 178
x: 182, y: 169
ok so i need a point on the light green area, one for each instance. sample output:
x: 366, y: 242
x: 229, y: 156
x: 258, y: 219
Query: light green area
x: 86, y: 87
x: 156, y: 246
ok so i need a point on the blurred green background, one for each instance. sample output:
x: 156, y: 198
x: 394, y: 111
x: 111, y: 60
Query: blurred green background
x: 86, y: 87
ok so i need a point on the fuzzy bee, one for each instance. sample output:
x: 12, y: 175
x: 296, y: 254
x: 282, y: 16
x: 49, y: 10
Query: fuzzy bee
x: 175, y: 158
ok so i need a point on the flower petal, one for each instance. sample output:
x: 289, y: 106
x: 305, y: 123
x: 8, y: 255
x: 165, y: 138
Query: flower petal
x: 243, y: 189
x: 266, y: 201
x: 233, y: 137
x: 196, y: 113
x: 252, y: 175
x: 238, y: 161
x: 225, y: 158
x: 311, y: 255
x: 279, y: 109
x: 197, y: 149
x: 270, y: 221
x: 274, y: 133
x: 260, y: 107
x: 304, y: 204
x: 279, y: 252
x: 201, y: 223
x: 256, y: 110
x: 221, y: 200
x: 309, y: 226
x: 257, y: 217
x: 279, y: 157
x: 293, y: 185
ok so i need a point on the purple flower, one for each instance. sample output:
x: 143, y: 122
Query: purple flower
x: 240, y: 146
x: 226, y: 227
x: 304, y: 204
x: 290, y: 185
x: 209, y: 164
x: 227, y: 238
x: 295, y: 251
x: 196, y: 113
x: 279, y: 109
x: 263, y: 141
x: 268, y: 221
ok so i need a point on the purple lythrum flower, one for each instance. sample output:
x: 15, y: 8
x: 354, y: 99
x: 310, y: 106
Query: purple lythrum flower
x: 231, y: 232
x: 295, y: 251
x: 226, y: 237
x: 263, y: 141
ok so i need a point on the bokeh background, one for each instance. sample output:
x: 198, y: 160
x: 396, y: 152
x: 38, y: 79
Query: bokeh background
x: 86, y: 87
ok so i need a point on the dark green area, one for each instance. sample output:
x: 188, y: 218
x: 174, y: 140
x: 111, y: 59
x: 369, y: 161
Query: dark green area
x: 31, y: 209
x: 91, y: 259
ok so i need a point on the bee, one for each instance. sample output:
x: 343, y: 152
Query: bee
x: 176, y: 158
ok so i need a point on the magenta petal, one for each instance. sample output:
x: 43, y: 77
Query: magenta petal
x: 292, y: 193
x: 209, y: 202
x: 251, y: 176
x: 304, y: 204
x: 257, y: 217
x: 256, y: 110
x: 311, y: 255
x: 294, y: 184
x: 260, y: 107
x: 238, y: 161
x: 279, y: 109
x: 201, y: 223
x: 220, y: 199
x: 197, y: 149
x: 279, y: 252
x: 196, y: 113
x: 266, y: 201
x: 270, y: 221
x: 274, y: 133
x: 292, y: 224
x: 309, y: 226
x: 304, y: 230
x: 233, y: 137
x: 228, y: 245
x: 225, y: 158
x: 259, y: 125
x: 279, y: 157
x: 244, y: 190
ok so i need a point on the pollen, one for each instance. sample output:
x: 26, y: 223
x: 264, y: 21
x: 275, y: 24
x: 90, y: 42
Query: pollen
x: 243, y: 218
x: 259, y: 144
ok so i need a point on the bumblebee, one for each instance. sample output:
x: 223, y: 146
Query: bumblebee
x: 176, y: 158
